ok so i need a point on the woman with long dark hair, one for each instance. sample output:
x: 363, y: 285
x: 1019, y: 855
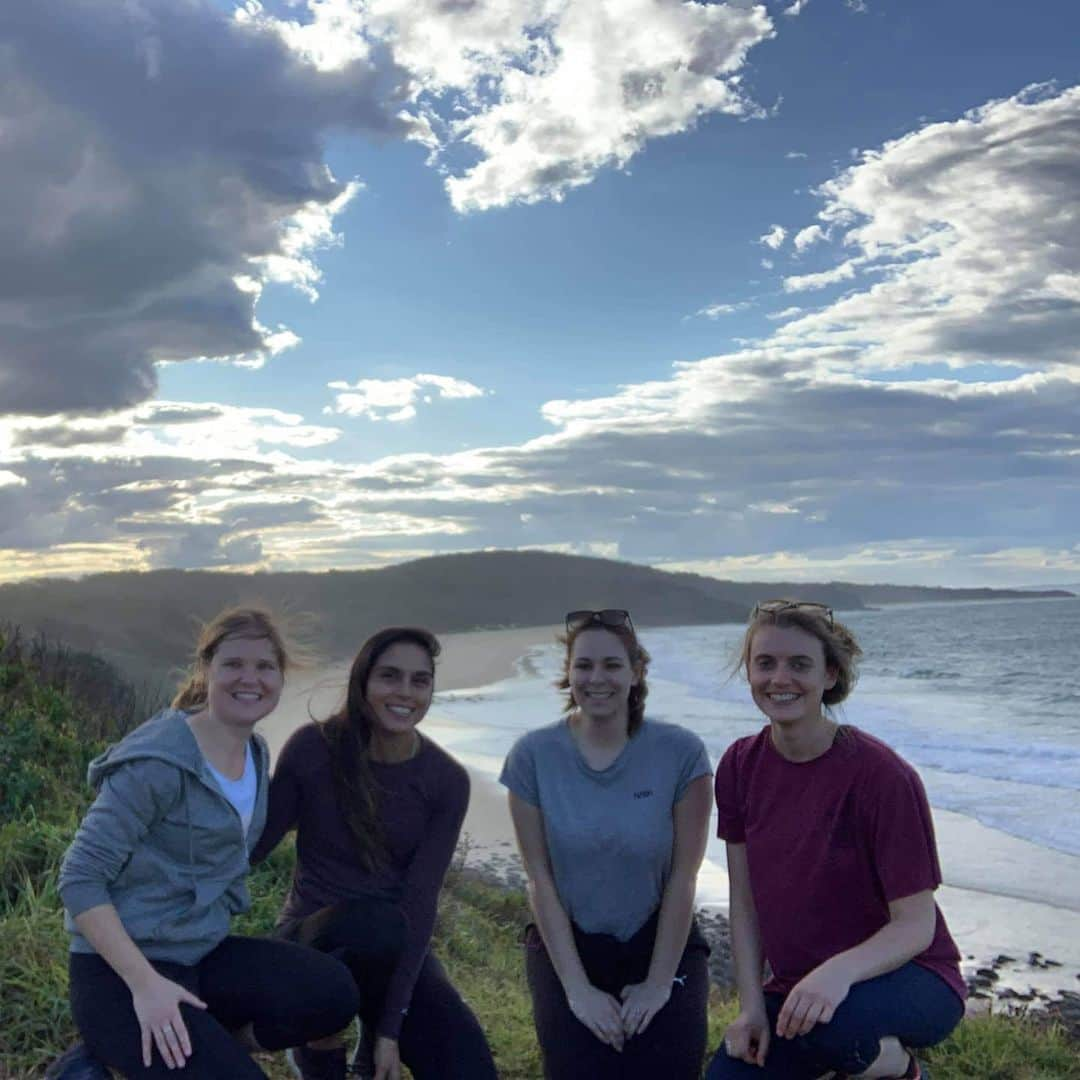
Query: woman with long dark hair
x: 157, y: 870
x: 378, y: 808
x: 611, y: 812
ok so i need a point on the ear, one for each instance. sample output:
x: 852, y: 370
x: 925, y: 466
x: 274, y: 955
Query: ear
x: 832, y: 674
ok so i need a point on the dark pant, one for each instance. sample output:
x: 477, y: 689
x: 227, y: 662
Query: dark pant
x: 288, y: 994
x: 440, y: 1037
x: 912, y: 1004
x: 673, y: 1045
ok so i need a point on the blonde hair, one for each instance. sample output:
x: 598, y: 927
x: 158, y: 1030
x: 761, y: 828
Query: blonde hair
x: 253, y: 623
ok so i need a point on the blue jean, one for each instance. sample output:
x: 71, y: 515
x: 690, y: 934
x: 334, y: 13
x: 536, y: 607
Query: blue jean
x: 913, y: 1004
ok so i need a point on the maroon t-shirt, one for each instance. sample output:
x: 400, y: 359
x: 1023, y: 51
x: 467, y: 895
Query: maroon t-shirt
x: 422, y: 803
x: 830, y: 843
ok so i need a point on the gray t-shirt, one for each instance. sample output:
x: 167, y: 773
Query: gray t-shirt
x: 609, y: 831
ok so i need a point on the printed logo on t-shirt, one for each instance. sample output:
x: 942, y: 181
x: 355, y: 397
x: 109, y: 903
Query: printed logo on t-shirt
x: 645, y: 794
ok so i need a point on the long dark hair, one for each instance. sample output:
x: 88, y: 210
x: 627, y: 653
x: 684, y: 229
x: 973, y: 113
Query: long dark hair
x: 348, y: 734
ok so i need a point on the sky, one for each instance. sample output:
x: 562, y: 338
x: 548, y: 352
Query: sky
x: 786, y: 290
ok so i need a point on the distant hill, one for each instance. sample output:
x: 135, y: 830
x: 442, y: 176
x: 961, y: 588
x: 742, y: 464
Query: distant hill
x: 144, y: 621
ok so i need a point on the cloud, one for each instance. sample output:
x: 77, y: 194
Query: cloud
x: 395, y: 399
x: 586, y: 87
x: 810, y: 235
x: 971, y: 227
x: 527, y: 99
x: 795, y: 155
x: 161, y: 162
x: 67, y: 435
x: 796, y: 8
x: 922, y: 426
x: 774, y: 238
x: 714, y: 311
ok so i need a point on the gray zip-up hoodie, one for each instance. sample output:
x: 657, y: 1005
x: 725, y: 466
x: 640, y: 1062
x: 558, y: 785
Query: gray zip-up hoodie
x: 162, y: 844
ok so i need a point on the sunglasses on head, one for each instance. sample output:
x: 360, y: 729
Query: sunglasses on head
x: 775, y: 607
x: 615, y: 617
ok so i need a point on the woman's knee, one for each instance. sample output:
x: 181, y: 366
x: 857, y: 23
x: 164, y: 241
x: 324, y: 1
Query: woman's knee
x: 338, y: 993
x: 371, y: 931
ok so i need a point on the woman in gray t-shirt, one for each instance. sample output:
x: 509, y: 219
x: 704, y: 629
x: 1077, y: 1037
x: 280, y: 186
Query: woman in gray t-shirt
x: 611, y: 813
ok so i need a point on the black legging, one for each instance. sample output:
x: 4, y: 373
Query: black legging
x: 440, y: 1037
x: 672, y: 1046
x: 290, y: 995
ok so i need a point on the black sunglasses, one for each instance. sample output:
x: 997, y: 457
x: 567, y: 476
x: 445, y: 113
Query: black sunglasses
x: 615, y: 617
x: 775, y: 607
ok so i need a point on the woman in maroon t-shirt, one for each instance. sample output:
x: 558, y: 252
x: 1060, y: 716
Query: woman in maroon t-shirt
x: 832, y: 866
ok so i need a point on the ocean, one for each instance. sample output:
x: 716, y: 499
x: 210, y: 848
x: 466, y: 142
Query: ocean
x: 983, y: 698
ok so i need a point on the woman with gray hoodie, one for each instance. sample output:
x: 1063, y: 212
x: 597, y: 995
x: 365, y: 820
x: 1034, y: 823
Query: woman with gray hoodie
x: 157, y: 870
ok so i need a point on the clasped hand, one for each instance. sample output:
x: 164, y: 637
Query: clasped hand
x: 612, y: 1021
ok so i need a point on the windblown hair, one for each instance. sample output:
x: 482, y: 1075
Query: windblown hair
x: 842, y: 651
x: 252, y: 623
x: 348, y: 735
x: 639, y: 661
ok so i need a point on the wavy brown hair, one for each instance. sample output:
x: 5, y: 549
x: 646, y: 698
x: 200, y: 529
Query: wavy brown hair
x: 842, y: 651
x: 252, y: 623
x: 639, y: 661
x: 348, y: 735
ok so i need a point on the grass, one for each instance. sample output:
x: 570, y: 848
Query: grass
x: 44, y: 709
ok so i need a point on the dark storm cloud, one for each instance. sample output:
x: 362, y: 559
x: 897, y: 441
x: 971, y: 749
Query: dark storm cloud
x: 151, y: 150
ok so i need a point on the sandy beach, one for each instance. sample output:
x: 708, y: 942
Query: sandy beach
x: 1038, y: 915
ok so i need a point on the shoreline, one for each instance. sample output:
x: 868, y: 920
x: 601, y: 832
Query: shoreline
x: 1007, y: 942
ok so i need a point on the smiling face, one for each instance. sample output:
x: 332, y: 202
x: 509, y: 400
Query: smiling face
x: 243, y: 681
x: 399, y: 688
x: 601, y: 675
x: 788, y: 674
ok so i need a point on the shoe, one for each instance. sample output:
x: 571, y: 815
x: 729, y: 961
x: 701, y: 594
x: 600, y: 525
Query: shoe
x: 916, y: 1070
x: 77, y: 1063
x: 309, y: 1064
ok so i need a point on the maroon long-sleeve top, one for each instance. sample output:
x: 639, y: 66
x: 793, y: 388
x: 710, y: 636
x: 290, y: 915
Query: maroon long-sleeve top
x: 422, y: 804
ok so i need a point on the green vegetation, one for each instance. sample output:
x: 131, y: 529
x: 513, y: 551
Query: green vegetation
x: 54, y: 718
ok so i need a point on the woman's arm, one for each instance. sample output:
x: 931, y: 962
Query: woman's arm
x: 598, y: 1011
x: 690, y: 820
x: 420, y: 896
x: 132, y: 800
x: 814, y: 999
x: 156, y: 1000
x: 283, y: 801
x: 747, y: 1037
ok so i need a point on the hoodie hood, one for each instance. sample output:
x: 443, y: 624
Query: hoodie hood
x: 164, y: 737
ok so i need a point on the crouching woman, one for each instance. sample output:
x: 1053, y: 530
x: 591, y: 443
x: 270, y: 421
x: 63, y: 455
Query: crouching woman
x: 833, y: 867
x: 157, y: 870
